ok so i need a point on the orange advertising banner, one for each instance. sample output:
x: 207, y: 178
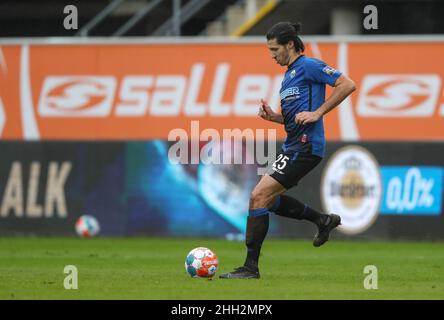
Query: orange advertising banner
x: 144, y: 91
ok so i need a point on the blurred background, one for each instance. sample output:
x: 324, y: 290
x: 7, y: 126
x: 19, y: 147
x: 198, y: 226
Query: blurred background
x: 106, y: 18
x: 90, y: 92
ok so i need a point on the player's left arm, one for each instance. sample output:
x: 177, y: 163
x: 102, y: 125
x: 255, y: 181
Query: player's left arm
x: 343, y: 87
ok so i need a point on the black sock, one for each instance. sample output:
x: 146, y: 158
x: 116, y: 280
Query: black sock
x: 314, y: 216
x: 292, y: 208
x: 257, y: 228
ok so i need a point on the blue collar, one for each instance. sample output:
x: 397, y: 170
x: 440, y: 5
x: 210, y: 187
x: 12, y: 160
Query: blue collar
x: 294, y: 62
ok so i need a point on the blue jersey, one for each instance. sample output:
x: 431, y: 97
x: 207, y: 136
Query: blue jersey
x: 303, y: 89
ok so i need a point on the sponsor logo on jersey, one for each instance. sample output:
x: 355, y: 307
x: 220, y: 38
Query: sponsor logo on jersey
x: 290, y: 92
x: 329, y: 70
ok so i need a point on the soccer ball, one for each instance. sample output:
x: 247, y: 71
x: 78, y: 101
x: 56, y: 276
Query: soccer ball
x: 87, y: 226
x: 201, y: 263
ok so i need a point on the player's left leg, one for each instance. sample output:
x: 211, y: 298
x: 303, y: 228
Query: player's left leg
x: 290, y: 207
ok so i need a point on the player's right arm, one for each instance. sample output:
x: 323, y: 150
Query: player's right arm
x: 265, y: 112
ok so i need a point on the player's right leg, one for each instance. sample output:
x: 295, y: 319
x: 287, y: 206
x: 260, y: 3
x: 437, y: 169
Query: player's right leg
x: 262, y: 197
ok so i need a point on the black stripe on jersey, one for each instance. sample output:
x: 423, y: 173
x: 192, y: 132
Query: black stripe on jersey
x: 309, y: 98
x: 287, y: 116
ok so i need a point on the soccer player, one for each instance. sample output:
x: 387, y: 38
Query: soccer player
x: 303, y: 105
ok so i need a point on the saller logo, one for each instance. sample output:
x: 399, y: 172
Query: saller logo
x: 399, y: 95
x: 351, y: 187
x: 157, y: 95
x: 77, y: 96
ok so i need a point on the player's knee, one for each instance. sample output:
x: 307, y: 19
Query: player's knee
x: 257, y: 200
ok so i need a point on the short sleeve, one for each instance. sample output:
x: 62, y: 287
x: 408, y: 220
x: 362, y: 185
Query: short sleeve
x: 318, y: 71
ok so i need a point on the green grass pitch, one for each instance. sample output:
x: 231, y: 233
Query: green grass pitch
x: 147, y: 268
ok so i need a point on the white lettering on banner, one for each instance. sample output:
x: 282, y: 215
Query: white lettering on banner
x: 159, y: 96
x: 414, y: 191
x: 192, y: 108
x: 167, y: 102
x: 134, y: 96
x: 13, y: 200
x: 33, y: 209
x: 249, y: 88
x: 217, y: 108
x: 13, y: 196
x: 55, y: 194
x: 92, y: 96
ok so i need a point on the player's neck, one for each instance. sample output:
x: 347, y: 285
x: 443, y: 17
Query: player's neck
x: 293, y: 58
